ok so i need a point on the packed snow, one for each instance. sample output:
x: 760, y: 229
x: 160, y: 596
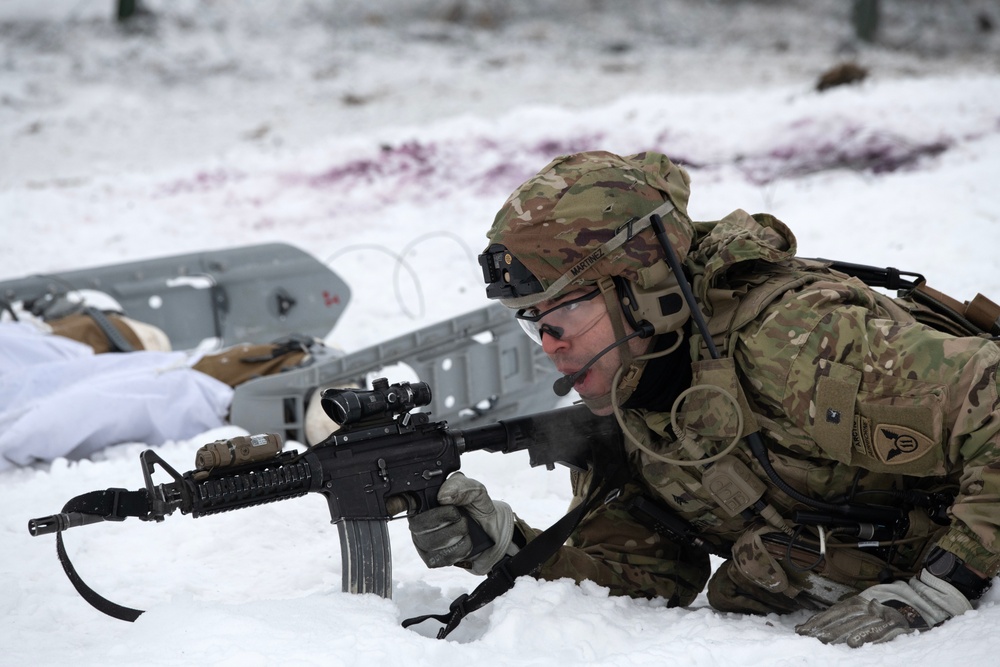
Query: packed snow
x: 376, y: 137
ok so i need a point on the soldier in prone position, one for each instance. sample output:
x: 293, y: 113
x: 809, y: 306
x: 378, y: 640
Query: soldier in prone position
x: 842, y: 456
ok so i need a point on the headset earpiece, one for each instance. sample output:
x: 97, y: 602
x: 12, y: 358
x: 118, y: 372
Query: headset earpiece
x: 655, y: 299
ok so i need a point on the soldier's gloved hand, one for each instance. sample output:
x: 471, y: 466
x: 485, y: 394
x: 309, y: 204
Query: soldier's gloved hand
x: 441, y: 535
x: 885, y: 611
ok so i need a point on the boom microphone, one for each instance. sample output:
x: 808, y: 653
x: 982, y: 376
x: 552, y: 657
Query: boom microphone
x: 562, y: 386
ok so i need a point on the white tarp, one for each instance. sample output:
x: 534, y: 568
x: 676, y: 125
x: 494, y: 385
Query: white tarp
x: 58, y: 398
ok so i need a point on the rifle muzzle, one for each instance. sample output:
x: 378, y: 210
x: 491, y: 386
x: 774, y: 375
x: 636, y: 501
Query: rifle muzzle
x: 60, y: 522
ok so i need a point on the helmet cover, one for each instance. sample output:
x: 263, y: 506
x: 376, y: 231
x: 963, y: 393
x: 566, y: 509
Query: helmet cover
x: 579, y: 202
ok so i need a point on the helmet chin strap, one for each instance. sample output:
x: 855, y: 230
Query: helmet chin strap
x: 613, y: 304
x: 630, y: 371
x: 634, y: 365
x: 598, y: 404
x: 630, y: 377
x: 563, y: 385
x: 631, y: 367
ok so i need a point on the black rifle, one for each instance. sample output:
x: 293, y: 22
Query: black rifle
x: 383, y: 461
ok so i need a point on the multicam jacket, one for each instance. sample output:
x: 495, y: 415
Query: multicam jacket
x: 852, y: 397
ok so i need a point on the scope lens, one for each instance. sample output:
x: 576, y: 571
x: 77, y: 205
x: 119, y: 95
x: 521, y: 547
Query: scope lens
x: 347, y: 406
x: 342, y: 405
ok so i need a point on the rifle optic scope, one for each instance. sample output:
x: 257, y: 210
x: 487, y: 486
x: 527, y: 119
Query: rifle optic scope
x: 348, y: 406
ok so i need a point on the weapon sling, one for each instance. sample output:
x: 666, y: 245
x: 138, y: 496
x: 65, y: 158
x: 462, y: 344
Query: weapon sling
x: 503, y: 575
x: 109, y: 505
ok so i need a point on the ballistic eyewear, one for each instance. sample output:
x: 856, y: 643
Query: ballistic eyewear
x: 564, y: 321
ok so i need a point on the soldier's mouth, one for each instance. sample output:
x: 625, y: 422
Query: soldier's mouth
x: 581, y: 381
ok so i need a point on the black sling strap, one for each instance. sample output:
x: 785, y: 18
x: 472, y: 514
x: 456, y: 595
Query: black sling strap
x: 95, y: 599
x: 503, y: 575
x: 109, y: 505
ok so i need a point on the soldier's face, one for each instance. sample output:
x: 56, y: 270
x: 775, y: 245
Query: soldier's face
x: 570, y: 354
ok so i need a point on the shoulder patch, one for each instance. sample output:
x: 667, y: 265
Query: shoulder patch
x: 898, y: 444
x: 888, y: 443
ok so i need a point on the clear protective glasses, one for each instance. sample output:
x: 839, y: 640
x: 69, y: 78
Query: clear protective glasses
x: 564, y: 321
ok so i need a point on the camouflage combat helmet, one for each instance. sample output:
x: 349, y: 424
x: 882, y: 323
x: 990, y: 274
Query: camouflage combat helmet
x: 585, y: 217
x: 585, y: 220
x: 572, y: 224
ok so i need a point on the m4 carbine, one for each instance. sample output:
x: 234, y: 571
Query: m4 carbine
x: 384, y: 461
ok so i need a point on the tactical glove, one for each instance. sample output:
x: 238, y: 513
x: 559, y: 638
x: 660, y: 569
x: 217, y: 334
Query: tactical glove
x: 442, y: 535
x: 885, y: 611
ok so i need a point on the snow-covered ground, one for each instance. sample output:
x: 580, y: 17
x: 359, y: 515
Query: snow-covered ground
x: 360, y: 133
